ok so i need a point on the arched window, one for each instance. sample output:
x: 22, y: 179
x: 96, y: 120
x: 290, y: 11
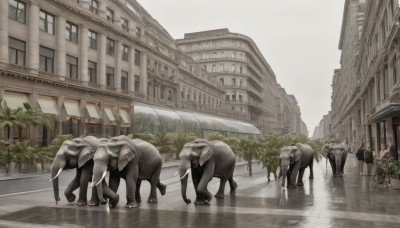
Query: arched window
x: 233, y: 81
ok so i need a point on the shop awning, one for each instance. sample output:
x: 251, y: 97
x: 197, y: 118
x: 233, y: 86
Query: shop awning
x: 72, y: 108
x: 109, y: 114
x: 48, y: 105
x: 125, y: 116
x: 15, y: 100
x: 92, y: 111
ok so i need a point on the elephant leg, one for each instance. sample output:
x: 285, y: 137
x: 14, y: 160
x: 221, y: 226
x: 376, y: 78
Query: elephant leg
x: 221, y: 190
x: 161, y: 187
x: 110, y: 194
x: 155, y: 178
x: 343, y: 163
x: 293, y: 174
x: 138, y: 197
x: 113, y: 181
x: 131, y: 178
x: 94, y: 201
x: 72, y: 186
x: 196, y: 176
x: 112, y: 189
x: 300, y: 178
x: 311, y: 168
x: 333, y: 165
x: 86, y: 174
x: 205, y: 179
x: 233, y: 185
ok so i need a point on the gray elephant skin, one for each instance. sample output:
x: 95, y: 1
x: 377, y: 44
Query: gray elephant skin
x: 206, y: 159
x: 133, y: 160
x: 294, y: 160
x: 76, y: 154
x: 336, y: 153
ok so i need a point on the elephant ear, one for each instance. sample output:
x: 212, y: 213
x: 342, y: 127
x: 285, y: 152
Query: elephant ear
x: 324, y: 151
x: 206, y: 154
x: 296, y: 154
x: 85, y: 155
x: 126, y: 154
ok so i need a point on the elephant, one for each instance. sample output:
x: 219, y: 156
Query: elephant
x: 206, y: 159
x: 336, y: 153
x: 294, y: 160
x: 133, y: 160
x: 76, y: 154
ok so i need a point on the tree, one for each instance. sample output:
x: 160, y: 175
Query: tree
x: 179, y: 140
x: 10, y: 119
x: 248, y: 147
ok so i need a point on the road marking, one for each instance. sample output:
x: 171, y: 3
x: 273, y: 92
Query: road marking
x: 27, y: 192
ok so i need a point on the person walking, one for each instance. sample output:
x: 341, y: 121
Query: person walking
x: 360, y: 157
x: 369, y: 160
x: 383, y: 151
x: 392, y: 150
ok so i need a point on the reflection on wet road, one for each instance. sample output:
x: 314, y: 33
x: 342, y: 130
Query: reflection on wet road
x: 351, y: 201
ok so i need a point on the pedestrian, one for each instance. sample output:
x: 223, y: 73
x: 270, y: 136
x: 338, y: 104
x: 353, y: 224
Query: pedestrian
x: 383, y: 152
x: 386, y: 157
x: 369, y: 160
x: 392, y: 150
x: 360, y: 157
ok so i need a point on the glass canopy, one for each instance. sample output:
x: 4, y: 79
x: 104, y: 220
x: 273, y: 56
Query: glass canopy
x: 155, y: 120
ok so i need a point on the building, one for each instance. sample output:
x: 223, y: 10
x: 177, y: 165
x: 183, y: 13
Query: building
x: 92, y: 62
x: 365, y: 97
x: 250, y: 85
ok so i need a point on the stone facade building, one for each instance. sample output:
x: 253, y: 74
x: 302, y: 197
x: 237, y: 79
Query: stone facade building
x: 251, y: 89
x: 366, y: 97
x: 91, y: 61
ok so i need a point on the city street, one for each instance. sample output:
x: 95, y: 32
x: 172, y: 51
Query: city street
x: 351, y: 201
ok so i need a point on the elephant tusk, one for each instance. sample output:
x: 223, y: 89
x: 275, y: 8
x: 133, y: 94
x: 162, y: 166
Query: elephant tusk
x: 187, y: 172
x: 177, y: 172
x: 59, y: 171
x: 104, y: 175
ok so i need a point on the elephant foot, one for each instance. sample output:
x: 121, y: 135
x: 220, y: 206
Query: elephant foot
x: 81, y: 202
x: 131, y: 205
x: 162, y: 188
x: 113, y: 202
x: 70, y: 197
x: 300, y: 184
x: 311, y: 177
x: 219, y: 195
x: 103, y: 202
x: 200, y: 202
x: 291, y: 186
x: 152, y: 199
x: 138, y: 199
x: 93, y: 203
x: 233, y: 189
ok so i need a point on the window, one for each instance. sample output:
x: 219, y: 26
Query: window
x: 385, y: 83
x: 227, y: 97
x: 16, y: 51
x: 92, y: 39
x: 110, y: 76
x: 46, y: 22
x: 188, y: 95
x: 240, y: 98
x: 71, y: 32
x: 92, y: 72
x: 233, y: 81
x: 233, y: 68
x: 125, y: 52
x: 137, y: 83
x: 137, y: 30
x: 72, y: 67
x: 46, y: 59
x: 221, y: 67
x: 213, y: 68
x: 394, y: 71
x: 183, y: 93
x: 110, y: 47
x: 137, y: 58
x: 241, y: 83
x: 94, y: 6
x: 241, y: 69
x: 16, y: 10
x: 125, y: 24
x: 110, y: 15
x: 124, y: 80
x: 214, y: 55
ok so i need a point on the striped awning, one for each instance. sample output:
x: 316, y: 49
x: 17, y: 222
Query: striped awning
x: 15, y: 100
x: 124, y: 115
x: 72, y: 108
x: 93, y: 111
x: 48, y: 105
x: 110, y: 114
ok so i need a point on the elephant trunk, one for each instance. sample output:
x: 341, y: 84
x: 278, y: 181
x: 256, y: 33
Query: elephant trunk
x: 184, y: 169
x: 338, y: 161
x: 56, y: 169
x: 284, y: 172
x: 99, y: 171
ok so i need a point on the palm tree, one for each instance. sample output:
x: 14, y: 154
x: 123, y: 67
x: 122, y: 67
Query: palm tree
x: 248, y: 147
x: 9, y: 119
x: 163, y: 142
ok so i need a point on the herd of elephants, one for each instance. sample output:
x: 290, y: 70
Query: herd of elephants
x: 135, y: 160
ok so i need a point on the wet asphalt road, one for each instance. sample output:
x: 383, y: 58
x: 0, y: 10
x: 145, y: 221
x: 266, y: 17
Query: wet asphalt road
x: 351, y: 201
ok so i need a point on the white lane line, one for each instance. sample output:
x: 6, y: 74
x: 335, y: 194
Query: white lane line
x: 27, y: 192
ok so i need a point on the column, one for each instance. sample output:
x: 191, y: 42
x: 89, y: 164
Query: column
x: 132, y: 67
x: 117, y: 73
x: 143, y: 79
x: 33, y: 38
x: 3, y: 31
x: 82, y: 121
x: 60, y: 50
x: 83, y: 55
x: 101, y: 60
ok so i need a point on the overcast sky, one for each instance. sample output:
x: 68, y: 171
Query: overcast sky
x: 298, y: 38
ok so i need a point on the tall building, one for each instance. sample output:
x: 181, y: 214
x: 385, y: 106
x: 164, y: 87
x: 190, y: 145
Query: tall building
x: 251, y: 90
x: 107, y: 67
x: 365, y: 97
